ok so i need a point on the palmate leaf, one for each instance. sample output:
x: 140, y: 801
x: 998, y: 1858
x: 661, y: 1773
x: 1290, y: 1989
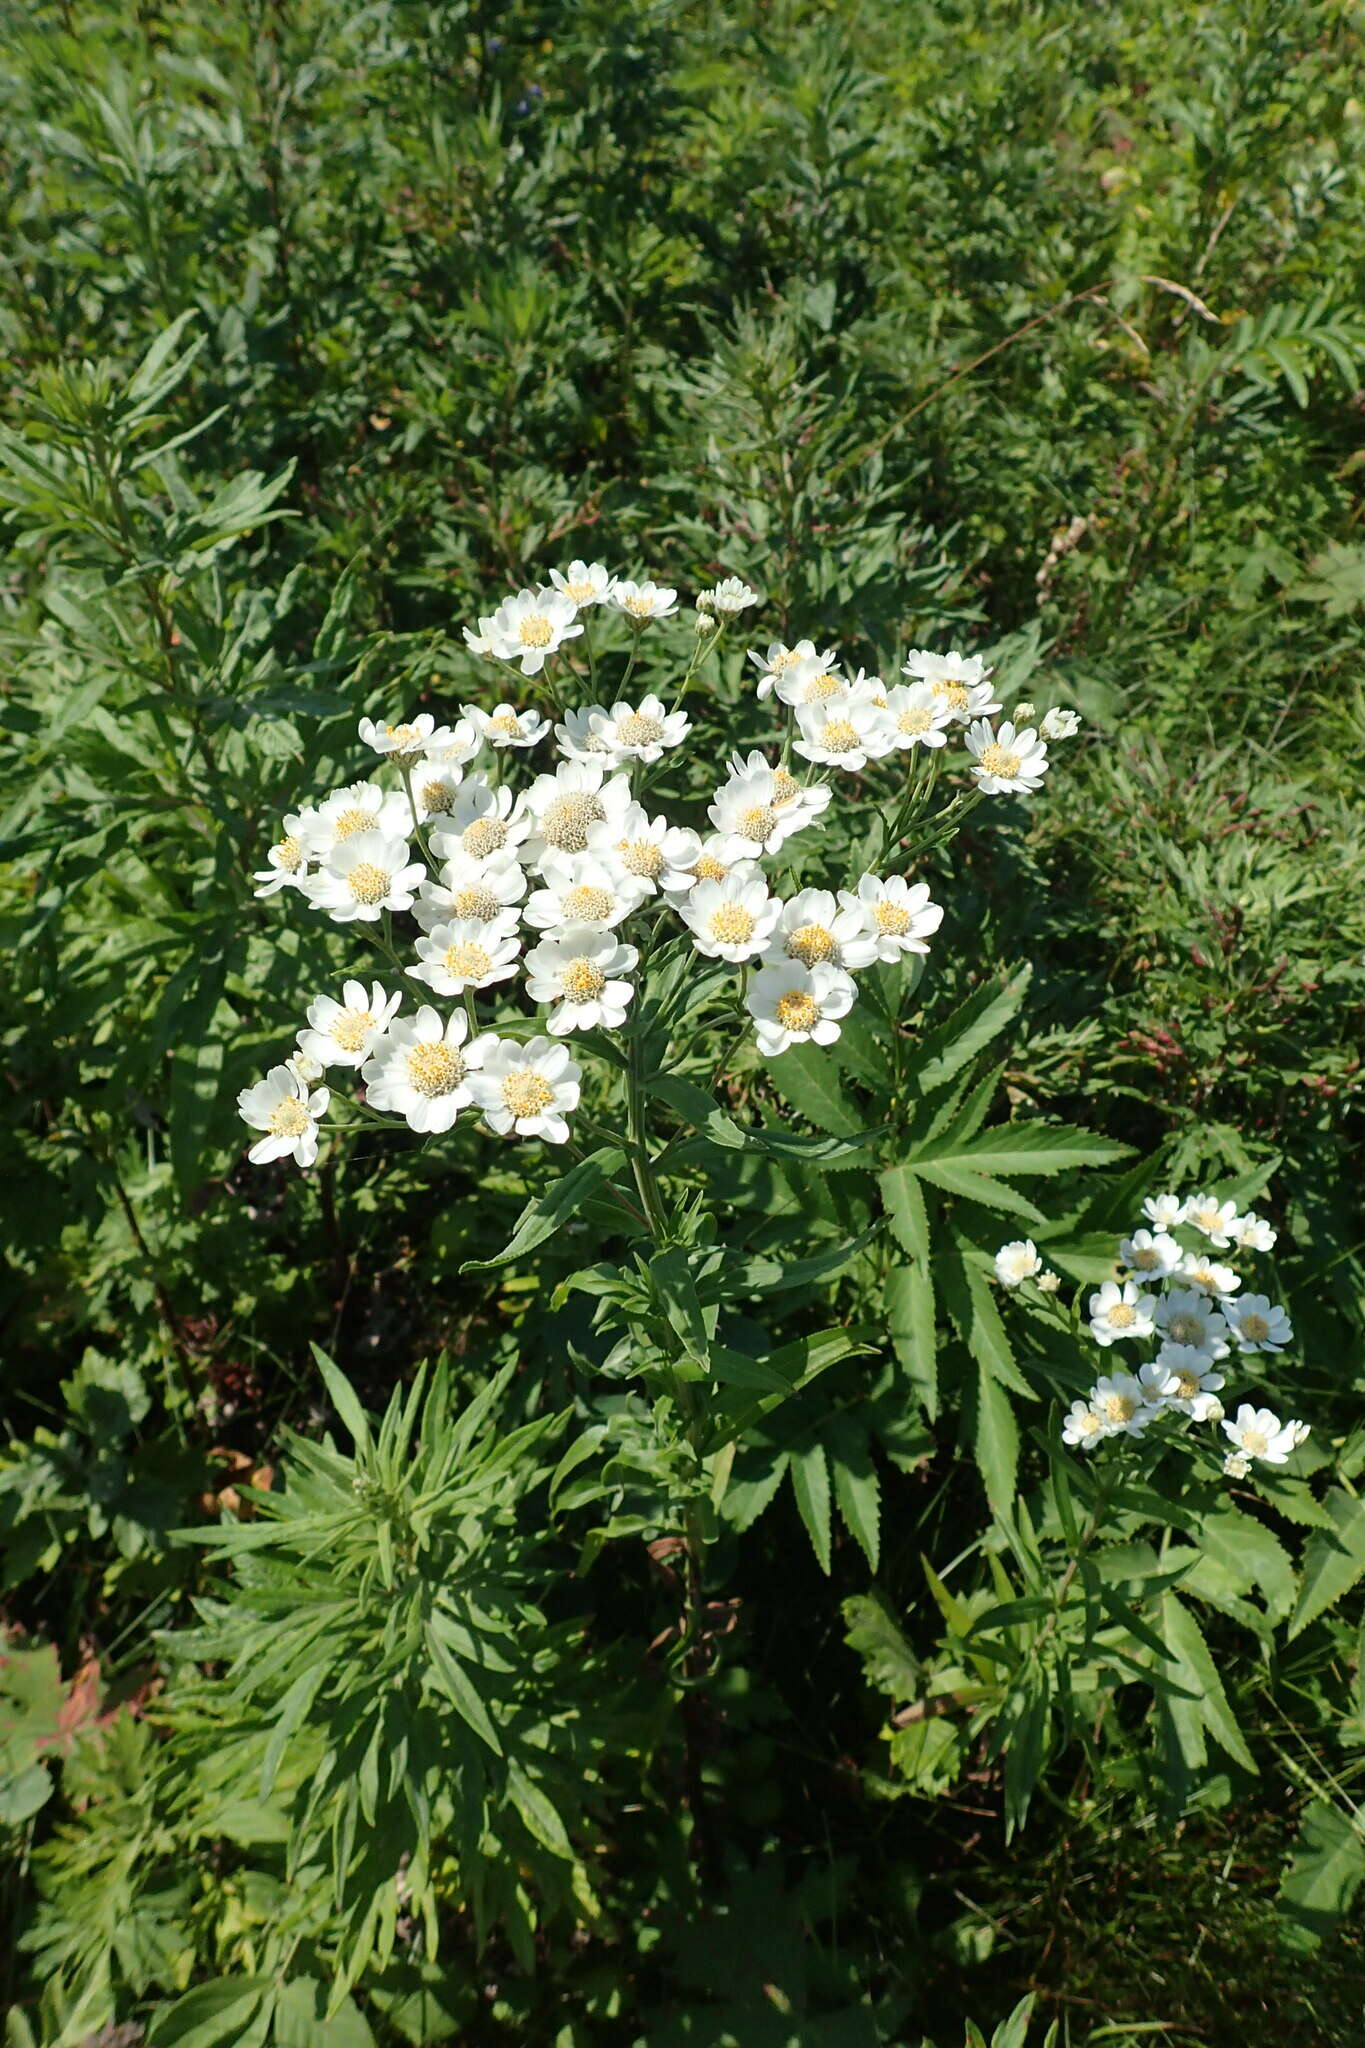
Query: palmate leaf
x: 1333, y: 1559
x: 1326, y: 1871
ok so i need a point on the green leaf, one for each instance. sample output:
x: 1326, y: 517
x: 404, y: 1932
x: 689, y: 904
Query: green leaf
x: 1327, y: 1870
x: 875, y: 1635
x: 971, y: 1305
x: 455, y: 1682
x: 808, y: 1079
x: 558, y: 1204
x: 231, y: 2010
x: 856, y: 1487
x: 1333, y: 1559
x: 996, y: 1443
x: 946, y: 1049
x: 677, y: 1295
x: 904, y: 1199
x: 810, y: 1483
x: 539, y: 1814
x: 908, y: 1305
x: 1195, y: 1667
x: 1031, y: 1148
x: 343, y: 1398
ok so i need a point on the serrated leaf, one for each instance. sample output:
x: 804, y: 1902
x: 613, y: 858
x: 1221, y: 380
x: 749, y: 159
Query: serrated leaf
x: 807, y: 1078
x: 1333, y: 1559
x: 556, y: 1205
x: 908, y: 1305
x: 810, y: 1483
x: 1326, y: 1871
x: 995, y: 1440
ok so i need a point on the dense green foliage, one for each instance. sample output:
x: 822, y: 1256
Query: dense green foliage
x: 1032, y: 331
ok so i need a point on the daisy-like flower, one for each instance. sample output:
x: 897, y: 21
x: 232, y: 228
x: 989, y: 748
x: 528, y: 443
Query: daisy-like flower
x: 1083, y: 1426
x: 288, y: 858
x: 583, y: 583
x: 798, y: 802
x: 898, y: 914
x: 468, y: 954
x: 1146, y: 1253
x: 958, y: 680
x: 421, y: 1069
x: 287, y: 1110
x: 915, y: 717
x: 1217, y: 1220
x: 563, y: 807
x: 579, y: 738
x: 713, y: 863
x: 647, y: 853
x: 1251, y: 1232
x: 640, y: 735
x: 434, y: 790
x: 1199, y: 1270
x: 731, y: 920
x: 409, y: 741
x: 751, y: 817
x: 845, y: 734
x: 1164, y: 1211
x: 1059, y: 724
x: 529, y: 627
x: 364, y: 877
x: 812, y: 679
x: 1049, y: 1283
x: 1182, y: 1378
x: 1121, y: 1311
x: 1258, y: 1324
x: 580, y: 889
x: 527, y: 1088
x: 1006, y: 763
x: 1259, y: 1433
x: 1121, y: 1403
x: 812, y: 928
x: 458, y: 752
x: 340, y: 1034
x: 481, y: 890
x: 791, y: 1004
x: 773, y: 664
x: 360, y: 807
x: 729, y: 596
x: 506, y: 726
x: 483, y: 823
x: 1017, y: 1262
x: 581, y: 971
x: 1184, y: 1316
x: 479, y: 639
x: 641, y: 602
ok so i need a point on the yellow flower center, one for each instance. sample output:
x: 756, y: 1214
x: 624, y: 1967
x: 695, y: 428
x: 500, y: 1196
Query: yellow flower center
x: 638, y: 729
x: 1088, y: 1423
x: 369, y: 884
x: 757, y: 823
x: 796, y: 1011
x: 579, y: 593
x: 821, y: 688
x: 534, y: 630
x: 840, y: 736
x: 288, y: 854
x: 586, y: 905
x: 466, y: 961
x: 955, y: 694
x: 1255, y: 1443
x: 582, y: 980
x: 732, y: 924
x: 526, y: 1093
x: 890, y: 917
x: 505, y: 724
x: 289, y: 1119
x: 915, y: 719
x: 998, y: 760
x: 435, y: 1069
x: 782, y: 660
x: 566, y: 821
x: 812, y: 942
x: 709, y: 869
x: 349, y: 822
x: 1187, y: 1383
x: 638, y: 606
x: 1254, y: 1326
x: 483, y: 837
x: 436, y: 798
x: 1185, y: 1330
x: 785, y: 786
x: 351, y: 1028
x: 1145, y: 1257
x: 1117, y: 1407
x: 405, y: 739
x: 1122, y: 1316
x: 641, y: 857
x: 475, y: 900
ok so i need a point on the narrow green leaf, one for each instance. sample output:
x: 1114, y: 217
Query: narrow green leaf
x: 558, y: 1203
x: 343, y: 1398
x: 1333, y: 1558
x: 996, y: 1443
x: 810, y: 1483
x: 908, y: 1304
x: 807, y: 1078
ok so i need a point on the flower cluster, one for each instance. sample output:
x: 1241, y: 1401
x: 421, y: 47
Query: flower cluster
x: 545, y: 881
x: 1175, y: 1294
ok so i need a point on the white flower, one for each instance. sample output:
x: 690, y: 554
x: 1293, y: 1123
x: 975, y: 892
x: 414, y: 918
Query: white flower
x: 643, y: 734
x: 564, y: 806
x: 288, y: 858
x: 1218, y: 1220
x: 459, y: 750
x: 842, y: 735
x: 1059, y: 724
x: 731, y: 920
x: 812, y: 679
x: 1257, y: 1324
x: 957, y: 680
x: 914, y: 717
x: 468, y: 954
x: 527, y: 1088
x: 483, y: 823
x: 1083, y: 1426
x: 798, y: 802
x: 583, y: 583
x: 1017, y: 1262
x: 1121, y: 1312
x: 406, y: 742
x: 340, y: 1034
x: 467, y: 888
x: 364, y: 877
x: 1184, y: 1316
x: 421, y: 1069
x: 776, y: 660
x: 1148, y: 1254
x: 1235, y: 1466
x: 1165, y: 1211
x: 360, y: 807
x: 713, y: 863
x: 1049, y: 1283
x: 1183, y: 1378
x: 791, y: 1004
x: 1259, y: 1433
x: 435, y: 787
x: 703, y: 625
x: 580, y: 971
x: 898, y: 914
x: 578, y: 738
x: 1121, y: 1403
x: 1207, y: 1275
x: 480, y: 640
x: 751, y: 817
x: 506, y: 726
x: 581, y: 889
x: 729, y: 596
x: 530, y: 626
x: 1006, y: 763
x: 811, y: 927
x: 642, y: 602
x: 1250, y: 1231
x: 647, y: 853
x: 287, y: 1111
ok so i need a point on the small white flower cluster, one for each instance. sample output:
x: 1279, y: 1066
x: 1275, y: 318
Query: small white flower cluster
x: 1175, y: 1293
x: 576, y: 853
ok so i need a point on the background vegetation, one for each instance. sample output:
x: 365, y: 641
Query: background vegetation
x: 1026, y: 329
